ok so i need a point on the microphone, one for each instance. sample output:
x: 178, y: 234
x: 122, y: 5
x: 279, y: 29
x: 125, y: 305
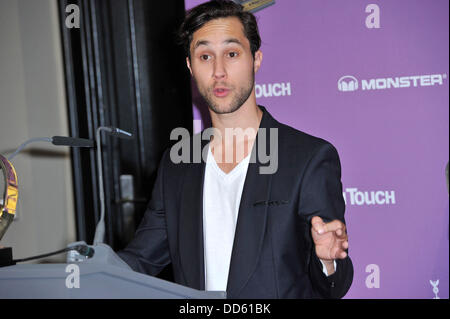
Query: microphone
x: 72, y: 141
x: 56, y: 140
x: 120, y: 133
x: 114, y: 131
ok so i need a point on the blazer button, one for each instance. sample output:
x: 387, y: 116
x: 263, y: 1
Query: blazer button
x: 332, y: 284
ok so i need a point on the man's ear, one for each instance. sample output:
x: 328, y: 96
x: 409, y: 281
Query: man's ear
x: 258, y: 60
x: 188, y: 63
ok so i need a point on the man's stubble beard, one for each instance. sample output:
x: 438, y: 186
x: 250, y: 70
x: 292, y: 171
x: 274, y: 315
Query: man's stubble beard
x: 238, y: 100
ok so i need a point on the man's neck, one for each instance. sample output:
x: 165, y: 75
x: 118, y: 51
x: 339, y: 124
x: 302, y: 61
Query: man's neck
x: 237, y: 132
x: 248, y: 116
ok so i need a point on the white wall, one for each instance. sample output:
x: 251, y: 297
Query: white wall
x: 32, y: 104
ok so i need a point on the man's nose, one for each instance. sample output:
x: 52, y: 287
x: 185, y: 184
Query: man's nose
x: 219, y: 69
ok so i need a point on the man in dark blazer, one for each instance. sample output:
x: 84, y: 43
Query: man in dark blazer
x: 290, y: 239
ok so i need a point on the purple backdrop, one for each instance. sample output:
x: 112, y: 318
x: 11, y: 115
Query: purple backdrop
x: 391, y: 125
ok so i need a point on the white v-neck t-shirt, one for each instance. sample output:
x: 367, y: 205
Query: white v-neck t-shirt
x: 221, y: 199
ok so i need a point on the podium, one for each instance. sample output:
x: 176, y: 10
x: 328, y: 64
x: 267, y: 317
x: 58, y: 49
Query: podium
x: 105, y: 276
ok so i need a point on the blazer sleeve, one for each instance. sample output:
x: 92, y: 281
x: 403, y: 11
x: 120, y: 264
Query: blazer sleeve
x: 148, y: 252
x: 321, y: 195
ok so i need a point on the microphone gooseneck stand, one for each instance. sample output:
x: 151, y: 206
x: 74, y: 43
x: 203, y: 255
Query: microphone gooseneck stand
x: 100, y: 229
x: 80, y: 249
x: 8, y: 203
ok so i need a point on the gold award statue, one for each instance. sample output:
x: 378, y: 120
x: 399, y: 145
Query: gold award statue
x: 8, y: 202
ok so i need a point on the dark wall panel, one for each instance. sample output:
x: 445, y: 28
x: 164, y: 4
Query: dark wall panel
x: 123, y: 69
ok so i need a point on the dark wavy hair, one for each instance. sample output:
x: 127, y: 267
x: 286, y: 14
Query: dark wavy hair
x: 215, y: 9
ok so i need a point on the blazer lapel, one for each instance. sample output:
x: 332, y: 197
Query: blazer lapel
x: 251, y: 223
x: 190, y: 240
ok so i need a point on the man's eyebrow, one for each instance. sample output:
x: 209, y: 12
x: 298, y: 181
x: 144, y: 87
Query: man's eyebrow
x: 227, y: 41
x: 233, y: 40
x: 199, y: 43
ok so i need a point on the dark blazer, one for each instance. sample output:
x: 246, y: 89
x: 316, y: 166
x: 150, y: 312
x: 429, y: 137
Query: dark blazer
x: 273, y: 253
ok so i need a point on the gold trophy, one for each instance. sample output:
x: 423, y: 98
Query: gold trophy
x: 8, y: 201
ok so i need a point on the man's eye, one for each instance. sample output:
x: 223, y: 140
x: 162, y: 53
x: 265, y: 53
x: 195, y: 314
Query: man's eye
x: 232, y: 54
x: 205, y: 57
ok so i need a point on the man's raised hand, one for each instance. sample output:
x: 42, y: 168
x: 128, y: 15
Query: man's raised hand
x: 330, y: 239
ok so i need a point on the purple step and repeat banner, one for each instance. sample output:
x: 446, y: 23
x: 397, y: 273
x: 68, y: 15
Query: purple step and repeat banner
x: 371, y: 77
